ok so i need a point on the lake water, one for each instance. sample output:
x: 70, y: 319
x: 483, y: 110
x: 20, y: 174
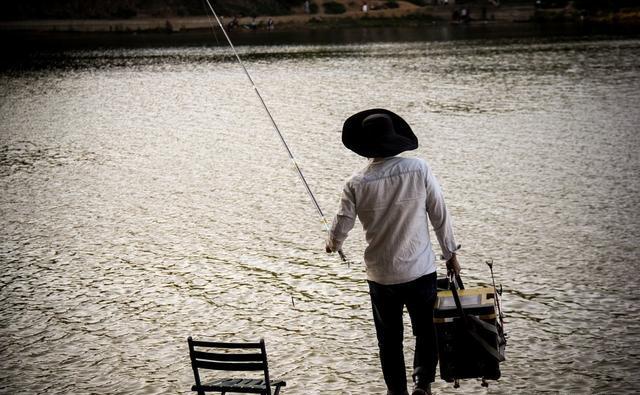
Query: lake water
x: 146, y: 198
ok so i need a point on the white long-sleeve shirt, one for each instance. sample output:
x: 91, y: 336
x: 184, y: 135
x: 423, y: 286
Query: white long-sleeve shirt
x: 394, y: 198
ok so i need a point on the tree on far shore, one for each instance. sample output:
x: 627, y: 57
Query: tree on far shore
x: 105, y: 9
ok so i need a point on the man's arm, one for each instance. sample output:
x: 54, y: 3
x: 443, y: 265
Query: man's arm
x: 343, y: 221
x: 441, y: 221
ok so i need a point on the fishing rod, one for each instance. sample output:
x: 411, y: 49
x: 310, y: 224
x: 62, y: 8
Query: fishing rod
x: 277, y: 129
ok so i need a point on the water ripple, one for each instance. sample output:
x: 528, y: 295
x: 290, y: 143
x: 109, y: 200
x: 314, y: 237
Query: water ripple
x: 145, y: 198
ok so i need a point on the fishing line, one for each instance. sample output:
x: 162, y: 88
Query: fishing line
x: 277, y: 129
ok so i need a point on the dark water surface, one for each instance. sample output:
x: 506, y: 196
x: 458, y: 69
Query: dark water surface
x: 145, y: 198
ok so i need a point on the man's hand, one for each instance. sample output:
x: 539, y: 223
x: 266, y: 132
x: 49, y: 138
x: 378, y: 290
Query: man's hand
x: 328, y: 248
x: 453, y: 266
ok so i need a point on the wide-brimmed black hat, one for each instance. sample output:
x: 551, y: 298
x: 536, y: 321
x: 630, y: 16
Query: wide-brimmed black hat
x: 378, y: 133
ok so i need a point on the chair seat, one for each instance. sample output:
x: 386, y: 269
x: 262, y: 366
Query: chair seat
x: 239, y: 385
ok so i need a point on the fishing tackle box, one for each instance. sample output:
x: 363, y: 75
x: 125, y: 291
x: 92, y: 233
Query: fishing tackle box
x: 470, y: 338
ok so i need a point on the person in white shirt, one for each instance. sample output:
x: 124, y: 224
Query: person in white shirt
x: 395, y: 198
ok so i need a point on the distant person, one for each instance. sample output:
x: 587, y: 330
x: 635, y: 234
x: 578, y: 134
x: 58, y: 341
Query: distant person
x: 395, y: 198
x: 270, y: 24
x: 168, y: 26
x: 233, y: 24
x: 365, y: 7
x: 307, y: 7
x: 463, y: 14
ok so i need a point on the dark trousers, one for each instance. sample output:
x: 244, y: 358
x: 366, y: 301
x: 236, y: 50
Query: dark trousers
x: 388, y: 303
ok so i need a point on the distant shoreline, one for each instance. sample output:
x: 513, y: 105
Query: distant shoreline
x: 388, y: 17
x: 407, y: 23
x: 407, y: 14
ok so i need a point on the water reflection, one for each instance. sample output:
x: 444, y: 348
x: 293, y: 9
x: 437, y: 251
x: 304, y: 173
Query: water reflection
x: 145, y: 198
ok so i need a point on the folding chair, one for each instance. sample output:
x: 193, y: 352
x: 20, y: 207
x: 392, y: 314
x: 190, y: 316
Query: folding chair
x: 235, y: 357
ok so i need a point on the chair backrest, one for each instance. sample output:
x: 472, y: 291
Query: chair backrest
x: 237, y: 357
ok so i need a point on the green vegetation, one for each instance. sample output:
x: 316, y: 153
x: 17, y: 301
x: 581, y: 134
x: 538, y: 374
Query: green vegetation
x: 586, y: 5
x: 605, y: 5
x: 547, y: 10
x: 391, y: 4
x: 333, y: 7
x: 593, y: 11
x: 104, y: 9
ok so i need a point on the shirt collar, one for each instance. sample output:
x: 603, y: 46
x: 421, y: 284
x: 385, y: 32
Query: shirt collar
x: 373, y: 161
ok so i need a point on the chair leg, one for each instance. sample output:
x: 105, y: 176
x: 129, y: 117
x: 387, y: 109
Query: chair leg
x: 277, y: 390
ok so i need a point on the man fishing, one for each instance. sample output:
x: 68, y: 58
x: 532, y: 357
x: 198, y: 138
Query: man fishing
x: 394, y: 198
